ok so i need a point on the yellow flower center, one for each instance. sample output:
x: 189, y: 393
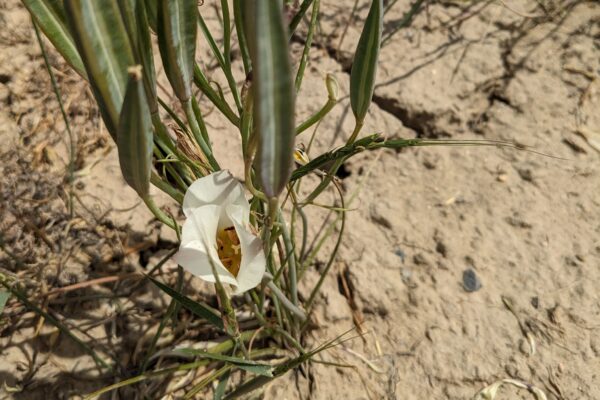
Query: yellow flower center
x: 228, y: 248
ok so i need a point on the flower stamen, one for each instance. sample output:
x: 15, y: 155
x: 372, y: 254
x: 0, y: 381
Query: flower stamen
x: 229, y: 249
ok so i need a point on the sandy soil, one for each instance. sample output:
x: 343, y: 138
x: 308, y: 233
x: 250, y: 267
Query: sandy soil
x: 527, y: 225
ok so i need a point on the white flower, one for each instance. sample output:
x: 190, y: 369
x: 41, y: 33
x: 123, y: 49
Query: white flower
x: 217, y: 229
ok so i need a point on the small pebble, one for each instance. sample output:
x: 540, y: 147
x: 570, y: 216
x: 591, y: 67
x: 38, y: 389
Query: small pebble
x: 400, y: 254
x: 471, y: 282
x: 535, y: 302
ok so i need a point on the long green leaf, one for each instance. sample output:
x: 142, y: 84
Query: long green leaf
x: 134, y: 136
x: 247, y: 365
x: 4, y: 296
x: 104, y: 46
x: 364, y: 68
x: 273, y: 92
x: 199, y: 309
x: 50, y: 18
x: 177, y: 29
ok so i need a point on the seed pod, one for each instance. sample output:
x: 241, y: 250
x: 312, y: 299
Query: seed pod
x: 134, y: 136
x: 364, y: 68
x: 177, y: 28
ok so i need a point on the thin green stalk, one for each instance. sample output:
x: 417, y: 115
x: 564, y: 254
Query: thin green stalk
x: 317, y: 244
x: 239, y: 27
x: 201, y: 123
x: 332, y: 91
x: 202, y: 82
x: 22, y: 297
x: 333, y: 253
x: 191, y: 117
x: 228, y: 313
x: 307, y: 44
x: 166, y: 187
x: 71, y: 166
x: 284, y: 300
x: 223, y: 63
x: 299, y: 15
x: 291, y: 254
x: 158, y: 213
x: 226, y: 33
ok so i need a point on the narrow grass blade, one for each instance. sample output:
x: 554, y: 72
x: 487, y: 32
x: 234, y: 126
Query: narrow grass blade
x: 134, y: 135
x: 375, y: 141
x: 299, y: 15
x: 4, y: 296
x: 104, y: 46
x: 246, y: 365
x: 222, y: 386
x: 273, y: 92
x: 177, y: 29
x: 259, y: 381
x: 239, y: 27
x: 364, y: 68
x: 50, y: 17
x: 199, y: 309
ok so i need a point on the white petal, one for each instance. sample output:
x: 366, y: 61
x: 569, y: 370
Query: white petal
x: 219, y: 188
x: 199, y: 245
x: 254, y: 262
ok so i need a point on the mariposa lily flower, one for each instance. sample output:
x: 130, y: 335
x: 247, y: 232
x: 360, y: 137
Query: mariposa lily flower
x: 217, y: 233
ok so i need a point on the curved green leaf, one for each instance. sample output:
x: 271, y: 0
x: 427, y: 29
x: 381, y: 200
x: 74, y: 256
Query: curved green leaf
x: 50, y: 18
x: 134, y: 136
x: 199, y: 309
x: 104, y: 46
x: 247, y: 365
x: 364, y: 68
x: 177, y: 29
x: 273, y: 92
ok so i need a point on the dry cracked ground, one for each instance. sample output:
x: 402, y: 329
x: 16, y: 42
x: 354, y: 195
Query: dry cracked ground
x: 526, y: 223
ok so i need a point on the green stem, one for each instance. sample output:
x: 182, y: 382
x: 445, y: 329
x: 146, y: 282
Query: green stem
x: 202, y: 82
x: 284, y: 300
x: 191, y: 117
x: 307, y: 44
x: 333, y: 254
x: 299, y: 15
x: 158, y: 213
x: 316, y: 117
x: 225, y: 66
x: 201, y: 123
x: 239, y: 27
x: 166, y: 187
x: 291, y: 258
